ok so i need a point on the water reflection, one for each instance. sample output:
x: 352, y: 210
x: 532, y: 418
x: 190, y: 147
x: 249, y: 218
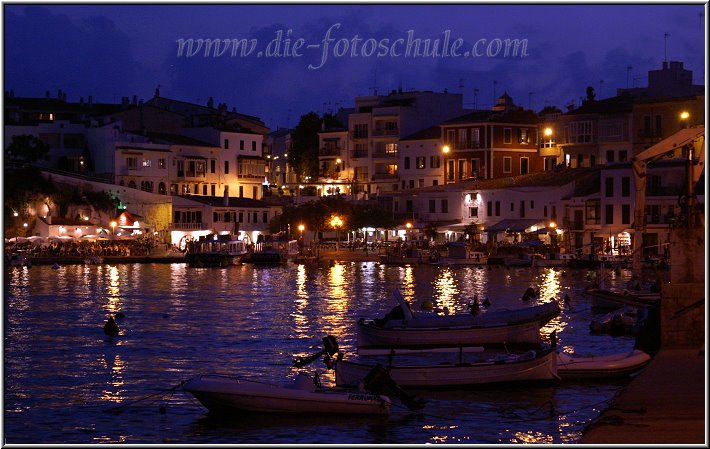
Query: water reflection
x: 114, y: 391
x: 445, y: 291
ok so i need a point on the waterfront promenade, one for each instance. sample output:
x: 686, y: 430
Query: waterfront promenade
x: 665, y: 404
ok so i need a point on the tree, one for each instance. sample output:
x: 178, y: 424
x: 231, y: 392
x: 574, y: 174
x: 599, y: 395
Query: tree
x: 26, y: 149
x: 303, y: 157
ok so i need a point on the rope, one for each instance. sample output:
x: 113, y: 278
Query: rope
x: 171, y: 390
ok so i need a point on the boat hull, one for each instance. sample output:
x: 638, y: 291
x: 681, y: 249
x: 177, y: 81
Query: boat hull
x: 371, y: 335
x: 224, y: 394
x: 541, y: 366
x: 495, y: 327
x: 601, y: 367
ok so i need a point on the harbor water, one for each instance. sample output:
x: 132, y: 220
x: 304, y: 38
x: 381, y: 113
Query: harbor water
x: 67, y: 382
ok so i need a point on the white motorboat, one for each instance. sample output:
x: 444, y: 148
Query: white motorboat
x: 453, y: 369
x: 493, y: 327
x: 215, y: 250
x: 227, y: 394
x: 601, y: 366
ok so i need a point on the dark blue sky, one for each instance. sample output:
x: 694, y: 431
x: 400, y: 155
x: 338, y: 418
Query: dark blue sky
x: 111, y: 51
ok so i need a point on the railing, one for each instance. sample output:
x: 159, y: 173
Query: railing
x: 385, y: 132
x: 325, y: 151
x: 358, y: 135
x: 187, y: 226
x: 385, y: 154
x: 358, y: 154
x: 384, y: 176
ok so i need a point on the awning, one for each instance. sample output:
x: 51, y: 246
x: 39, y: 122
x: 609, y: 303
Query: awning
x: 514, y: 225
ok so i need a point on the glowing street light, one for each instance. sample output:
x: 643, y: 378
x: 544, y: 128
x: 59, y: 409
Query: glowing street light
x: 113, y: 227
x: 684, y: 116
x: 336, y: 223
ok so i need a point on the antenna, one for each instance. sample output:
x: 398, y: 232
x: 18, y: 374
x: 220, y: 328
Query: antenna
x: 461, y: 85
x: 475, y: 98
x: 374, y: 86
x: 628, y: 72
x: 666, y: 35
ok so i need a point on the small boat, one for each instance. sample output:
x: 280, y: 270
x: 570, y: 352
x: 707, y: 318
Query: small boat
x: 452, y: 369
x: 519, y: 260
x: 273, y: 253
x: 620, y: 322
x: 610, y: 299
x: 215, y: 250
x: 554, y: 260
x: 222, y: 394
x: 94, y: 260
x: 601, y: 366
x: 492, y: 327
x: 460, y: 254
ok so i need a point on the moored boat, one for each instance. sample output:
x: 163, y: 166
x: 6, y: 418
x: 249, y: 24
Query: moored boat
x: 215, y: 250
x: 601, y: 366
x: 493, y: 327
x: 453, y: 369
x: 460, y: 254
x: 222, y: 394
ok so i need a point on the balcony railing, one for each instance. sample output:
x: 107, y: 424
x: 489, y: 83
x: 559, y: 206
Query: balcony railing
x: 385, y: 154
x: 187, y: 226
x: 384, y: 132
x: 377, y: 176
x: 358, y: 154
x: 325, y: 151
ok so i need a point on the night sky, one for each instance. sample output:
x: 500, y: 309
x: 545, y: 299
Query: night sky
x: 112, y: 51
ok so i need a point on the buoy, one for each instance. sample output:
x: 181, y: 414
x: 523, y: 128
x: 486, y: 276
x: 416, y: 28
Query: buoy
x: 525, y: 297
x: 530, y: 292
x: 55, y: 266
x: 120, y: 315
x: 427, y: 304
x: 486, y: 302
x: 111, y: 328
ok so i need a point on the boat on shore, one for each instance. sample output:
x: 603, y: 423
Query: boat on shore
x: 215, y: 250
x: 221, y: 394
x: 601, y: 366
x: 402, y: 328
x: 435, y: 370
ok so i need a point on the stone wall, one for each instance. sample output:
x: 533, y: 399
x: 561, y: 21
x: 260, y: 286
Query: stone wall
x: 683, y: 314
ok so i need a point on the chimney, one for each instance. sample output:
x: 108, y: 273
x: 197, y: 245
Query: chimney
x: 81, y: 101
x: 135, y: 100
x: 124, y: 101
x: 91, y: 101
x: 46, y: 94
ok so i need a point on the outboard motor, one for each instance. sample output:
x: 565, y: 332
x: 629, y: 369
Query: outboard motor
x: 330, y: 347
x: 379, y: 381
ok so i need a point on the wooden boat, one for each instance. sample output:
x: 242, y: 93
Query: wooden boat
x: 460, y: 254
x: 226, y: 394
x: 601, y: 366
x: 453, y: 369
x: 493, y: 327
x: 215, y: 250
x: 273, y: 253
x: 610, y: 299
x: 626, y: 321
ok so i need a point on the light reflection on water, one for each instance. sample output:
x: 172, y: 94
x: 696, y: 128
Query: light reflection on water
x: 62, y: 373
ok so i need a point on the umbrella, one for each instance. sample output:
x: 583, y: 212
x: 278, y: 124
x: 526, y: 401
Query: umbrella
x: 36, y: 239
x: 18, y: 240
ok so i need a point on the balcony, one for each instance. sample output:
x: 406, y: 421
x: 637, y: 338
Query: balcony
x: 329, y: 151
x: 358, y: 135
x: 187, y: 226
x: 384, y: 176
x: 358, y: 154
x: 385, y: 132
x: 385, y: 154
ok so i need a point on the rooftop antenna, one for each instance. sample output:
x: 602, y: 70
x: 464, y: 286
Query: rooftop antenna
x: 475, y: 98
x: 374, y: 86
x: 461, y: 85
x: 628, y: 72
x: 666, y: 35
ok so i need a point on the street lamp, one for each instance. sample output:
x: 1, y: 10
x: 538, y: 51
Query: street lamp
x: 409, y: 229
x: 684, y: 116
x: 445, y: 149
x: 113, y: 227
x: 336, y: 223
